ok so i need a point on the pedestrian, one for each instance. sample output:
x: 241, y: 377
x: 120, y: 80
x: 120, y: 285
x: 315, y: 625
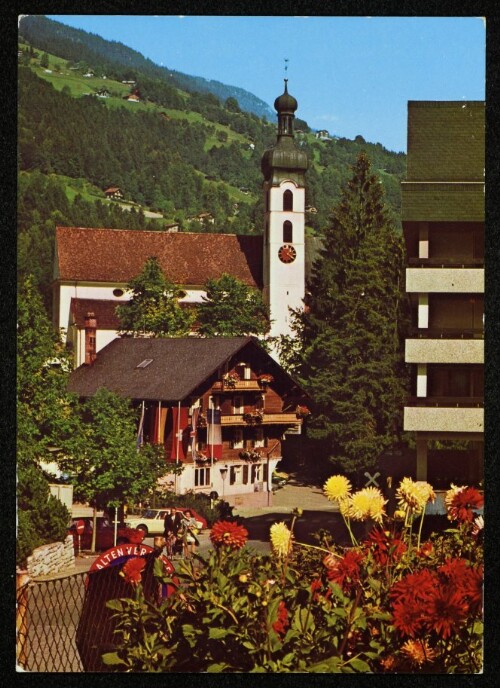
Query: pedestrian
x: 191, y: 526
x: 178, y: 532
x: 168, y: 532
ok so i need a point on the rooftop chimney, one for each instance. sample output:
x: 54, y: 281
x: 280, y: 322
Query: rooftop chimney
x: 90, y: 338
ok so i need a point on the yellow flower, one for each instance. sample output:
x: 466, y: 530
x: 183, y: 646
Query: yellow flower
x: 367, y: 503
x: 449, y: 496
x: 345, y: 507
x: 418, y: 651
x: 413, y: 496
x: 281, y: 539
x: 337, y: 487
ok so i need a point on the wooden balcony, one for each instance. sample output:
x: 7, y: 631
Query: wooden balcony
x: 240, y: 386
x: 267, y: 419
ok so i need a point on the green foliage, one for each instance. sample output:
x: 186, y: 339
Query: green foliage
x: 44, y: 408
x: 355, y: 610
x: 231, y: 309
x: 352, y: 329
x: 42, y: 518
x: 154, y: 306
x: 105, y: 464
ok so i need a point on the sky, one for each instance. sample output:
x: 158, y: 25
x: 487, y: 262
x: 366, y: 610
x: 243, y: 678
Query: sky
x: 350, y: 75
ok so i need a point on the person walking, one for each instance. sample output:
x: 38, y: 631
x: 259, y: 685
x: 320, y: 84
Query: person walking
x: 168, y: 532
x: 191, y: 526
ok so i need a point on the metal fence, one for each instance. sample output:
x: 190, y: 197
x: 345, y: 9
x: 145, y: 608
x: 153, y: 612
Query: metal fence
x: 64, y: 624
x: 48, y: 613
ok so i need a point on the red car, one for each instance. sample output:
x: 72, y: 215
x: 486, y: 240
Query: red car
x: 105, y: 534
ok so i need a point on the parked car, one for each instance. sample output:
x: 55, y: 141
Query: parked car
x: 105, y: 534
x: 151, y: 520
x: 279, y: 479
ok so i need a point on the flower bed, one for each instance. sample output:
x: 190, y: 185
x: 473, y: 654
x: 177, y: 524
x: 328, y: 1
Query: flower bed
x: 391, y: 603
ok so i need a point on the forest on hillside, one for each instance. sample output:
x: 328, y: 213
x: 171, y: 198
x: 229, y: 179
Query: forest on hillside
x: 181, y: 154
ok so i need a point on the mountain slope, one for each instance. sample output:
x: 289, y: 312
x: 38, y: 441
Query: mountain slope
x: 100, y: 54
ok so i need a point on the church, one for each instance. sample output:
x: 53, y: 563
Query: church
x: 222, y: 408
x: 92, y: 267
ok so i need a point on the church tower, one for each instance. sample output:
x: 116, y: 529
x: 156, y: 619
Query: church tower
x: 284, y: 167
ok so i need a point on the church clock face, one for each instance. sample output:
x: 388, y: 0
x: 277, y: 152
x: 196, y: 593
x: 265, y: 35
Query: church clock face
x: 287, y: 253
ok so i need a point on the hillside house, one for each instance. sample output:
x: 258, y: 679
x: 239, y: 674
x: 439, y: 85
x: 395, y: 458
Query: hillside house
x: 220, y: 407
x: 113, y: 192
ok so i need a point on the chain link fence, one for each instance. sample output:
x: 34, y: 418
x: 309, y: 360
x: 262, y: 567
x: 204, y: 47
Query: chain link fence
x: 64, y: 625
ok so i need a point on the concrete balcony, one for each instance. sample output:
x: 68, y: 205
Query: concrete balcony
x: 444, y: 351
x: 443, y: 419
x: 445, y: 280
x: 267, y: 419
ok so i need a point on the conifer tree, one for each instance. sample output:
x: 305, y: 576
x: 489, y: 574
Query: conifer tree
x: 351, y: 328
x: 154, y: 308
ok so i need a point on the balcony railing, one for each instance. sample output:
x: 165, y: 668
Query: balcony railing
x: 240, y: 385
x: 267, y: 419
x: 446, y: 333
x: 447, y: 402
x: 438, y: 262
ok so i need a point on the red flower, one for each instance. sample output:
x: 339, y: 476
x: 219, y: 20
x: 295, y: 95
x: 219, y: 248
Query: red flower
x: 132, y: 570
x: 463, y: 503
x: 419, y: 586
x: 466, y: 580
x: 282, y: 621
x: 387, y: 547
x: 346, y: 571
x: 228, y: 533
x: 473, y: 589
x: 425, y: 550
x: 407, y: 616
x: 446, y: 611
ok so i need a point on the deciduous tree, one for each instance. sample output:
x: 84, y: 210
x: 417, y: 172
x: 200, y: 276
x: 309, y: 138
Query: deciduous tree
x: 154, y: 308
x: 232, y: 309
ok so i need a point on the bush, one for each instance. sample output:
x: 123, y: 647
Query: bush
x: 42, y: 518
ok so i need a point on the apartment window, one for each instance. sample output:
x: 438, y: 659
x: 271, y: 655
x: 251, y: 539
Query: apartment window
x: 237, y: 440
x: 288, y: 200
x: 258, y: 440
x: 287, y: 232
x: 238, y: 404
x: 201, y: 477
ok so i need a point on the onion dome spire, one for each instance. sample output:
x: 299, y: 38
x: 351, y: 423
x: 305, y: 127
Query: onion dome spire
x: 285, y: 160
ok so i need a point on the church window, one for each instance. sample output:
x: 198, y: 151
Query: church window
x: 287, y: 232
x: 288, y: 200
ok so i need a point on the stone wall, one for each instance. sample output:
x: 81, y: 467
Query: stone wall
x: 52, y: 558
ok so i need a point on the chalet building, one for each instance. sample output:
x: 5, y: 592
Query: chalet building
x: 443, y: 223
x: 92, y: 267
x: 113, y: 192
x: 220, y: 407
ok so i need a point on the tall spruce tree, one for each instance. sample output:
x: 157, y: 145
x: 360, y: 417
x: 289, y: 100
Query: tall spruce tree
x: 352, y: 327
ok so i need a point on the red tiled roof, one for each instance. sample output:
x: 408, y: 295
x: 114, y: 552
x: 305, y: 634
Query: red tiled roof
x: 118, y: 255
x: 104, y: 311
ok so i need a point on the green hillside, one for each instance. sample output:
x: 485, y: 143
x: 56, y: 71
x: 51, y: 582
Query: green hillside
x: 174, y: 154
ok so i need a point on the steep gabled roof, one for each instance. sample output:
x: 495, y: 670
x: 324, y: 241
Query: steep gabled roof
x: 177, y: 366
x: 118, y: 255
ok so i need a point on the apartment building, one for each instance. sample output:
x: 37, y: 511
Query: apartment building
x: 443, y: 224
